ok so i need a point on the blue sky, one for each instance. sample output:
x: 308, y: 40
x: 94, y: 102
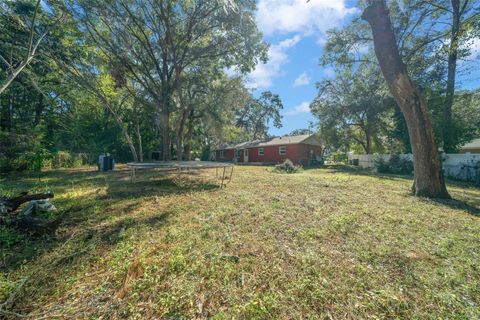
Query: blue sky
x: 295, y: 83
x: 296, y: 32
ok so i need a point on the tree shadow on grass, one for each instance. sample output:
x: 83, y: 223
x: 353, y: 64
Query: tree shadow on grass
x: 115, y: 196
x: 65, y: 179
x: 353, y: 170
x: 158, y: 187
x: 112, y: 234
x: 357, y: 171
x: 472, y: 207
x: 72, y: 253
x: 56, y: 181
x: 459, y: 205
x: 97, y: 236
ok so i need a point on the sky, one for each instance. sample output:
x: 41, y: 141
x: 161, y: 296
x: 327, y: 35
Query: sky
x: 296, y: 33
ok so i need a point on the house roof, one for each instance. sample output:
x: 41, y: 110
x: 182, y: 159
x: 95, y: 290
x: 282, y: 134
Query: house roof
x: 475, y: 144
x: 241, y: 145
x: 278, y: 141
x: 285, y: 140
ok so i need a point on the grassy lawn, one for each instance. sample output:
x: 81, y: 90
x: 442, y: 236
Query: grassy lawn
x: 319, y: 244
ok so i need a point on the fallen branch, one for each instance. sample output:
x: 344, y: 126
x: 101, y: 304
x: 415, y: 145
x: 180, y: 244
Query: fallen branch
x: 9, y: 205
x: 10, y: 300
x: 26, y: 218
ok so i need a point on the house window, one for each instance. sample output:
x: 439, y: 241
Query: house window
x: 222, y: 154
x: 261, y: 152
x: 237, y: 154
x: 282, y: 150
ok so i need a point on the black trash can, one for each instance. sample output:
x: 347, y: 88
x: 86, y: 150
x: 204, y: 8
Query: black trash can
x: 156, y: 155
x: 106, y: 162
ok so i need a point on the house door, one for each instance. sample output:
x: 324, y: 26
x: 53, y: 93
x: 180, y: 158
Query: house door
x: 245, y: 155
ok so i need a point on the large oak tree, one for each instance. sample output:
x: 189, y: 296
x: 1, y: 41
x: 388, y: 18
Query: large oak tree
x: 429, y: 181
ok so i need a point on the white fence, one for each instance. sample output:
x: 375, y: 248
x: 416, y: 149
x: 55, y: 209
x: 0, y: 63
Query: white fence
x: 458, y: 166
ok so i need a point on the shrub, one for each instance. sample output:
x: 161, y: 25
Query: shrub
x: 9, y: 237
x: 80, y: 159
x: 34, y: 160
x: 338, y: 157
x: 65, y: 159
x: 395, y: 165
x: 5, y: 164
x: 40, y: 158
x: 381, y: 165
x: 62, y: 159
x: 287, y: 167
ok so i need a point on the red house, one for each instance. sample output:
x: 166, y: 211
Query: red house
x: 300, y: 149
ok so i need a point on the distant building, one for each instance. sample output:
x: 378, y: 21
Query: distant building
x: 301, y: 149
x: 471, y: 147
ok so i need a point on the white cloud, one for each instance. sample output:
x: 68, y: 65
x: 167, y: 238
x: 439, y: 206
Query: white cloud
x: 290, y: 42
x: 469, y: 62
x: 231, y: 72
x: 302, y: 80
x: 301, y: 16
x: 329, y: 72
x: 262, y: 76
x: 474, y: 46
x: 303, y: 107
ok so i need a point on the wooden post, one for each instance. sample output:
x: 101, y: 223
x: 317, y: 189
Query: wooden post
x: 223, y: 177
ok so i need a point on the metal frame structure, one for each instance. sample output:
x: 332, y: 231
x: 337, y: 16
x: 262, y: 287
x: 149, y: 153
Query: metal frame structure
x: 183, y: 166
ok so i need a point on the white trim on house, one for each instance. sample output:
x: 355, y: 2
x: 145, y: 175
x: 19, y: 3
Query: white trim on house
x: 282, y: 150
x: 261, y: 151
x: 222, y: 154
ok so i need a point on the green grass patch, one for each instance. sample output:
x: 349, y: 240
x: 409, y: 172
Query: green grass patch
x: 329, y: 243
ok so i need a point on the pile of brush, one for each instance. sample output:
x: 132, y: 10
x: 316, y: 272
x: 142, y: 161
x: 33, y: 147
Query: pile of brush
x: 29, y: 217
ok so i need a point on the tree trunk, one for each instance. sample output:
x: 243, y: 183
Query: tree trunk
x: 165, y: 149
x: 180, y: 130
x: 448, y: 143
x: 6, y: 112
x: 10, y: 111
x: 184, y: 117
x: 165, y: 113
x: 140, y: 144
x: 362, y: 143
x: 428, y: 180
x: 38, y: 110
x: 15, y: 72
x: 183, y: 112
x: 188, y: 151
x: 129, y: 141
x: 181, y: 127
x: 32, y: 49
x: 188, y: 138
x: 368, y: 138
x: 166, y: 97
